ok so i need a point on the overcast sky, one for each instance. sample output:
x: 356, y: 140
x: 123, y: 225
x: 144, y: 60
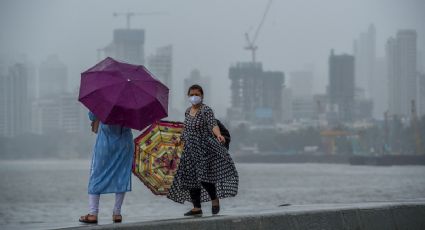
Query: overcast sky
x: 208, y: 35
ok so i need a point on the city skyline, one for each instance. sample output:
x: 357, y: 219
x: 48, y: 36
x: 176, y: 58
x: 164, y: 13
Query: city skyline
x: 319, y: 103
x: 288, y: 41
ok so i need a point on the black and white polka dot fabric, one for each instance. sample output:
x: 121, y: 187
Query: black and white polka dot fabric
x: 204, y: 159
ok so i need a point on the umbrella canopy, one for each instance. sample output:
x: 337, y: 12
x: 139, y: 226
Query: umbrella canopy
x: 123, y: 94
x: 156, y: 157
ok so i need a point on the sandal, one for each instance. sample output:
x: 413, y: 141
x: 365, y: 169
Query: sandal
x: 88, y: 219
x: 197, y: 213
x: 117, y: 218
x: 215, y: 209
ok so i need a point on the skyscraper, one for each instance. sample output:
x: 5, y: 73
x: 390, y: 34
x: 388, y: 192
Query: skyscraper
x: 14, y: 101
x: 53, y: 77
x: 127, y: 46
x: 256, y: 94
x: 401, y: 55
x: 380, y: 100
x: 301, y: 85
x: 46, y: 116
x: 421, y: 94
x: 287, y: 112
x: 421, y: 83
x: 3, y: 87
x: 32, y: 76
x: 304, y: 108
x: 365, y: 54
x: 161, y: 64
x: 62, y: 113
x: 421, y: 62
x: 341, y: 85
x: 363, y: 106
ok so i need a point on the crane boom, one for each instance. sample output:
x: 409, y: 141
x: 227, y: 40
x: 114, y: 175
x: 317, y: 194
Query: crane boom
x: 251, y: 43
x: 128, y: 15
x: 262, y: 21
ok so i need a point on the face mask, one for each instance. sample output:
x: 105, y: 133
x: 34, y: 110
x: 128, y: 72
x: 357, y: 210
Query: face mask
x: 195, y: 100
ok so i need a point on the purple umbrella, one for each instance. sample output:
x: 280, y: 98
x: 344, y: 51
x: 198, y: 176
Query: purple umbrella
x: 123, y: 94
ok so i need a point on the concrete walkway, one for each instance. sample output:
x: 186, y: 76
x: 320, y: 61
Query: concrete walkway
x: 374, y: 216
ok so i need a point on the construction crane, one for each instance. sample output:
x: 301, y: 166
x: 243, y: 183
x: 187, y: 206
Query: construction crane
x: 251, y: 43
x: 128, y: 15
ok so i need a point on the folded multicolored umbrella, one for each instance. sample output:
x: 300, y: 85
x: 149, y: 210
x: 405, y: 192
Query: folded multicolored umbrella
x: 156, y: 157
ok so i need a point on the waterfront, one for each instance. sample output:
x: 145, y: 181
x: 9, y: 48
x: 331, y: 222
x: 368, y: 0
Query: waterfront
x: 52, y: 193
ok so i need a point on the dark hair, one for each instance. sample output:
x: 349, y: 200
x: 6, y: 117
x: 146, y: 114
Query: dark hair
x: 193, y: 87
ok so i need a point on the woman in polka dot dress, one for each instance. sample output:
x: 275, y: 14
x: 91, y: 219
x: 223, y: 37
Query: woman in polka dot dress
x: 206, y: 171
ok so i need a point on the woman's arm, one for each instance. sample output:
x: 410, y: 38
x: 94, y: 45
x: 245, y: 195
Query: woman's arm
x: 212, y: 123
x: 217, y: 133
x: 94, y: 122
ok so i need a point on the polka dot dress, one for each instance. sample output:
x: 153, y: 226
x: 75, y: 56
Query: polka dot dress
x: 204, y: 159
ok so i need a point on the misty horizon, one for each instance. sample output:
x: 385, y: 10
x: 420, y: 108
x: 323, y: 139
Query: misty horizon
x: 206, y: 35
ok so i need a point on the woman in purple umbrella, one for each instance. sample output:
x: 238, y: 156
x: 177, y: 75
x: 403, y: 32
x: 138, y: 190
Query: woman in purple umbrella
x: 122, y: 96
x: 110, y: 170
x: 206, y: 171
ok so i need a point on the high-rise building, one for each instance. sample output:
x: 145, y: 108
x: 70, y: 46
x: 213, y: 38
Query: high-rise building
x: 421, y: 84
x: 341, y: 85
x: 380, y: 98
x: 256, y: 94
x: 127, y: 46
x: 3, y: 98
x: 14, y: 101
x: 301, y: 85
x: 45, y: 117
x: 394, y: 80
x: 365, y: 54
x: 304, y: 108
x: 421, y: 62
x: 74, y: 116
x: 62, y: 113
x: 32, y: 76
x: 53, y: 77
x: 3, y: 66
x: 161, y: 64
x: 421, y: 96
x: 401, y: 55
x: 321, y: 101
x: 287, y: 114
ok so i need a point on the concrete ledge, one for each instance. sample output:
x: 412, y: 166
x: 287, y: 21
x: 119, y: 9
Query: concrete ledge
x: 368, y: 216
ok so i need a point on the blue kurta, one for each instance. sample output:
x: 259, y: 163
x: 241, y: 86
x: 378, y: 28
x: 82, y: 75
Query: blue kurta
x: 110, y: 170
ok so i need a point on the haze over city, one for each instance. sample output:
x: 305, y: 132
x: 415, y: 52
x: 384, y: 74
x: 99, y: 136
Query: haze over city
x: 206, y: 35
x: 319, y: 105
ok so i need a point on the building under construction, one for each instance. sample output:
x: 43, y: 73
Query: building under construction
x: 256, y: 94
x: 127, y: 46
